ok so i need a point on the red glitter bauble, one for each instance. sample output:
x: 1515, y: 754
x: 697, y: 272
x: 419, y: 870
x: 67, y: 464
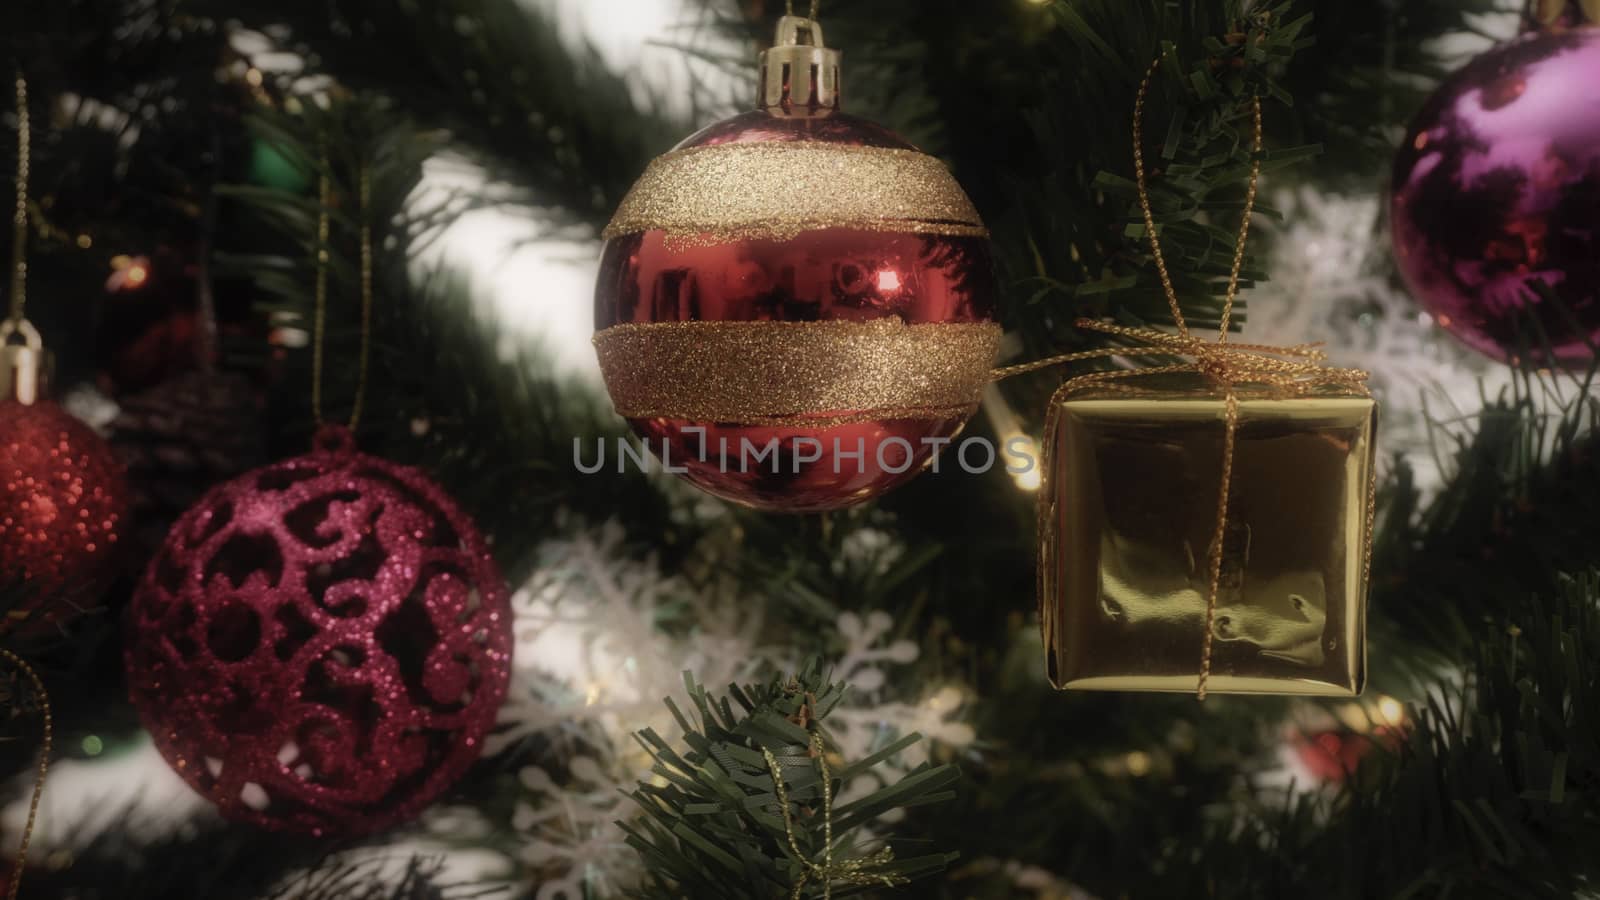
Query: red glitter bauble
x: 322, y: 644
x: 63, y: 504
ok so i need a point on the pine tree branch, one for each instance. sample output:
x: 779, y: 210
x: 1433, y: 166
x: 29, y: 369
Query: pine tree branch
x: 1371, y: 66
x: 745, y: 812
x: 1491, y: 794
x: 126, y: 103
x: 1501, y: 530
x: 497, y: 75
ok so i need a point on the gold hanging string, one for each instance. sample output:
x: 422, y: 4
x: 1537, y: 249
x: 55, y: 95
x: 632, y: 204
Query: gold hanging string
x: 828, y: 872
x: 20, y: 865
x: 320, y: 326
x: 19, y: 234
x: 320, y: 316
x: 366, y: 295
x: 1149, y: 216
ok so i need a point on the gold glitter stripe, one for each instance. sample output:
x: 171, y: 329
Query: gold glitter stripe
x: 791, y: 373
x: 775, y: 191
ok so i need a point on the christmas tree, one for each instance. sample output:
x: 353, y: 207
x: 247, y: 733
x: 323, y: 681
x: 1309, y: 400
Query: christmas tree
x: 317, y: 588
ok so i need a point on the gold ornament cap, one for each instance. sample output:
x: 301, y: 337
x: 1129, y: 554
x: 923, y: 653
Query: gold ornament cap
x: 800, y: 73
x: 24, y: 363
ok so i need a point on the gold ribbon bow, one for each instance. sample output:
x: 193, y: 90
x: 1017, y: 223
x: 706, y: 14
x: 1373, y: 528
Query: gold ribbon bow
x: 857, y: 871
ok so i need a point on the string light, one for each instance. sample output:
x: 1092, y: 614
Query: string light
x: 1032, y: 478
x: 1353, y: 716
x: 1138, y: 763
x: 128, y: 273
x: 1391, y: 712
x: 1020, y: 448
x: 1361, y: 718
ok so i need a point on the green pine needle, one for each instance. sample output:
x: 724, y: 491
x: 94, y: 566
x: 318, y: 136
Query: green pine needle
x: 712, y: 827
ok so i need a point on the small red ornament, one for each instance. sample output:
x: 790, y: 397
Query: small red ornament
x: 63, y: 504
x: 1334, y: 755
x: 1331, y: 756
x: 322, y: 644
x: 796, y: 213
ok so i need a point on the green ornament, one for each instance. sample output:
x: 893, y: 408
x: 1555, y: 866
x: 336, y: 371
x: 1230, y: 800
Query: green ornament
x: 271, y: 166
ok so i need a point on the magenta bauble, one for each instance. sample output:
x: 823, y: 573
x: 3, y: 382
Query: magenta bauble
x: 321, y: 645
x: 1496, y: 200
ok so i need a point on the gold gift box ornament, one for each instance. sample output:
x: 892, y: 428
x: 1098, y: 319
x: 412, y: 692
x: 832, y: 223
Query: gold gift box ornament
x: 1127, y: 529
x: 1205, y: 524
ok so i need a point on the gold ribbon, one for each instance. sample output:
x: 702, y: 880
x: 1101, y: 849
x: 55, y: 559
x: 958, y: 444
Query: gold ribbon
x: 849, y: 872
x: 20, y: 865
x: 776, y: 190
x: 811, y: 374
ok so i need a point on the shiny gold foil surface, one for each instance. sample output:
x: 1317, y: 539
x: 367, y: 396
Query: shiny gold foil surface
x: 1133, y: 510
x: 722, y: 193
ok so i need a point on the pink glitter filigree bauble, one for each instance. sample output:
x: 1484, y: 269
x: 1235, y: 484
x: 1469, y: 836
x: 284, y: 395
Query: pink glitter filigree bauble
x: 63, y: 505
x: 322, y: 644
